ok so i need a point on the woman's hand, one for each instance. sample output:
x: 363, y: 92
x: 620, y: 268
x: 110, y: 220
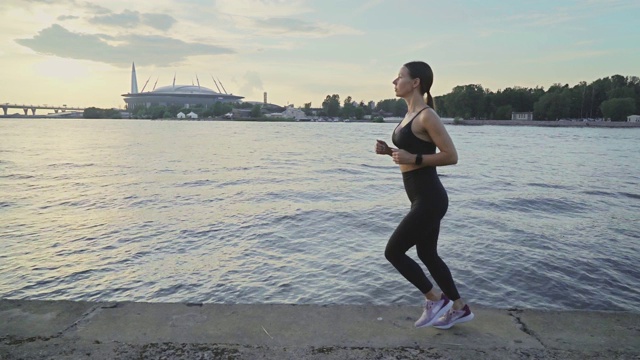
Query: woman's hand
x: 382, y: 148
x: 403, y: 157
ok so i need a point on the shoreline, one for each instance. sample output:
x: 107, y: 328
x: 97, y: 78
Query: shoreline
x: 559, y: 123
x: 447, y: 121
x: 34, y: 329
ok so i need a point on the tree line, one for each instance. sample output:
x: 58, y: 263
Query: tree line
x: 97, y: 113
x: 156, y: 111
x: 331, y: 107
x: 614, y: 98
x: 170, y: 111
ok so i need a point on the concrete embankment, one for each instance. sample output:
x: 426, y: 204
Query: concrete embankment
x: 85, y: 330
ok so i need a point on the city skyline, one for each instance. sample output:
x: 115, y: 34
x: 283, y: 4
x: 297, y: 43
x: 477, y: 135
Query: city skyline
x: 80, y: 52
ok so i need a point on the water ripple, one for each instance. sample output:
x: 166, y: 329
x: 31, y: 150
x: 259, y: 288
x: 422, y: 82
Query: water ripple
x: 197, y: 212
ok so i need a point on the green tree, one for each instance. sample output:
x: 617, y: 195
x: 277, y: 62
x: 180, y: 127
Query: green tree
x: 553, y: 105
x: 397, y: 107
x: 348, y: 109
x: 174, y: 109
x: 634, y: 83
x: 599, y: 90
x: 220, y: 108
x: 155, y: 112
x: 400, y: 108
x: 91, y: 113
x: 207, y: 112
x: 582, y: 100
x: 503, y: 112
x: 387, y: 105
x: 467, y: 101
x: 331, y: 105
x: 256, y: 111
x: 365, y: 108
x: 307, y: 109
x: 618, y: 109
x: 359, y: 113
x: 244, y: 105
x: 441, y: 105
x: 97, y: 113
x: 621, y: 93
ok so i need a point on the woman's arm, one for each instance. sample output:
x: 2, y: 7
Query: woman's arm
x: 431, y: 124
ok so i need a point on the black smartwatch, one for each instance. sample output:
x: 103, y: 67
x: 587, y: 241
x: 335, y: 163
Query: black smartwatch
x: 418, y: 159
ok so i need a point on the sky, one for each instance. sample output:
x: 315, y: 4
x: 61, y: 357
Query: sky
x: 79, y: 52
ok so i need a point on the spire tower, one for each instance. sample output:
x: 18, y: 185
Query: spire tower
x: 134, y: 79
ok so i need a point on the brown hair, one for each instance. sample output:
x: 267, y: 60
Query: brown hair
x: 421, y: 70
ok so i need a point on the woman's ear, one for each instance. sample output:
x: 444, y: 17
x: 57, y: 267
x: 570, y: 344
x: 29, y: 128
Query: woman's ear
x: 416, y: 83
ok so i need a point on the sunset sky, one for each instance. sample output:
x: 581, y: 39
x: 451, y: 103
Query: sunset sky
x: 79, y: 52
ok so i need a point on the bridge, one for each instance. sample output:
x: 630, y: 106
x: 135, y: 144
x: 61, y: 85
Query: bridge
x: 33, y: 108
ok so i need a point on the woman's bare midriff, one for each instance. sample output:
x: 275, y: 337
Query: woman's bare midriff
x: 410, y: 167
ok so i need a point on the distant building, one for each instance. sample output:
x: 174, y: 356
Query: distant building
x: 183, y: 95
x: 181, y: 115
x: 521, y: 116
x: 290, y: 113
x: 192, y: 115
x: 240, y: 113
x: 266, y: 106
x: 633, y: 118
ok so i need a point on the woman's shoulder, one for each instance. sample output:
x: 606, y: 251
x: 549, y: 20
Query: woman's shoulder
x: 429, y: 116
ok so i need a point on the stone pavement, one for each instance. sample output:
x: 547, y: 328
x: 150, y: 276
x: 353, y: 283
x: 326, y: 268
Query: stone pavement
x: 86, y: 330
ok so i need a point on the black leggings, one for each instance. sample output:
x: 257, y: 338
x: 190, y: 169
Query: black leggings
x: 420, y: 227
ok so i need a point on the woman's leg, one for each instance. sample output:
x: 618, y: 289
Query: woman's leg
x: 427, y: 249
x: 406, y: 235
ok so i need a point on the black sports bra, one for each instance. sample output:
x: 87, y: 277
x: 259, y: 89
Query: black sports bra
x: 405, y: 139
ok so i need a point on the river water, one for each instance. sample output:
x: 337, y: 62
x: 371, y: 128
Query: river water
x: 240, y: 212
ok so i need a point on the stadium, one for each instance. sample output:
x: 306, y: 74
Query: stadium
x: 182, y: 95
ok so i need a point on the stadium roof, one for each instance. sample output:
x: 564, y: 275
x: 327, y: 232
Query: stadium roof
x: 185, y: 89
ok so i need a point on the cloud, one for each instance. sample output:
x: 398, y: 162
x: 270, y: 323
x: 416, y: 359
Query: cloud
x: 152, y: 50
x: 611, y: 3
x: 291, y: 27
x: 288, y: 25
x: 127, y: 19
x: 279, y: 17
x: 252, y: 82
x: 540, y: 19
x: 572, y: 55
x: 158, y: 21
x: 67, y: 17
x: 40, y: 1
x: 369, y: 5
x: 577, y: 13
x: 262, y: 8
x: 132, y: 19
x: 96, y: 9
x: 26, y: 4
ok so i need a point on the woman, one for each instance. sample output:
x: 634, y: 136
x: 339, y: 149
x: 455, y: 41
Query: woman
x: 417, y: 137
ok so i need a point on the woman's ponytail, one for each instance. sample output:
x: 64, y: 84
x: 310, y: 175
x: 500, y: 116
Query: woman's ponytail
x: 430, y: 100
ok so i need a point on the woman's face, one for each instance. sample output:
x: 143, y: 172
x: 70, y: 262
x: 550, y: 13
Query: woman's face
x: 404, y: 84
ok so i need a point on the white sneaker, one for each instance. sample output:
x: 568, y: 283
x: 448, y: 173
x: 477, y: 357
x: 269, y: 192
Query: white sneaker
x: 454, y: 317
x: 433, y: 310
